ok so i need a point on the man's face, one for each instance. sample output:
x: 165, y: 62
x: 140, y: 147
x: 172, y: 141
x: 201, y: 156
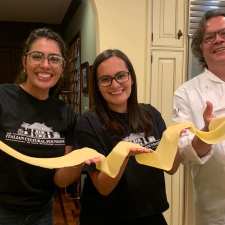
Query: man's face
x: 213, y: 44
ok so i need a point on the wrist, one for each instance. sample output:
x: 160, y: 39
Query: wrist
x: 200, y: 147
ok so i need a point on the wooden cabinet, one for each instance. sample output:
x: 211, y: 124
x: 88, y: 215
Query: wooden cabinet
x: 168, y: 24
x: 167, y: 72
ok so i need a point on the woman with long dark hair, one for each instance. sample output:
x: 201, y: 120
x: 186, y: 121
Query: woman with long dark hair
x: 137, y: 195
x: 37, y: 125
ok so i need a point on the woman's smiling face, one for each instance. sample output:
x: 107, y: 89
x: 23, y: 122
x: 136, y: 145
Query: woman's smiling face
x: 117, y: 94
x: 42, y: 74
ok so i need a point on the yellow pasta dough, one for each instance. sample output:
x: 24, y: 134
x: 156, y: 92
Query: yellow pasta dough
x: 163, y: 157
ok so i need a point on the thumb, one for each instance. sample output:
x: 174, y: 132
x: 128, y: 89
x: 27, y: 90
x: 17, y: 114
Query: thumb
x: 208, y: 113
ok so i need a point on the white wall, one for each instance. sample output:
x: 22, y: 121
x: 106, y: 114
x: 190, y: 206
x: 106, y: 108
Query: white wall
x: 123, y: 24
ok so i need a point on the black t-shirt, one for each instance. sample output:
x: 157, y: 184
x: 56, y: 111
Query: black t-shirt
x: 35, y: 128
x: 141, y: 190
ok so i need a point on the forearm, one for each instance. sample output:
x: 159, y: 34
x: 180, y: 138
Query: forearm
x: 106, y: 184
x: 200, y: 147
x: 176, y: 164
x: 68, y: 175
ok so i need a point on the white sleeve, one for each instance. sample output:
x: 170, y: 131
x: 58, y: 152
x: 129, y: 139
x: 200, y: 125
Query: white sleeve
x: 181, y: 110
x: 187, y: 152
x: 219, y: 154
x: 182, y: 113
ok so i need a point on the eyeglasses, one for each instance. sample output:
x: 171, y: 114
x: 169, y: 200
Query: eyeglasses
x: 119, y: 77
x: 38, y: 57
x: 210, y: 38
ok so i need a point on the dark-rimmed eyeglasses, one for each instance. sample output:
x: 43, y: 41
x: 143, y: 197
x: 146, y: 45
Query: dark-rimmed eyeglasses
x: 119, y: 77
x: 210, y: 37
x: 37, y: 57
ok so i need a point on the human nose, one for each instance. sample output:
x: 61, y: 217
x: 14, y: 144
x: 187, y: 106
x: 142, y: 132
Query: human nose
x: 44, y: 62
x: 114, y: 82
x: 218, y: 38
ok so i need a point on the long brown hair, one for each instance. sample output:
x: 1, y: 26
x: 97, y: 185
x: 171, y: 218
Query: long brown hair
x: 139, y: 119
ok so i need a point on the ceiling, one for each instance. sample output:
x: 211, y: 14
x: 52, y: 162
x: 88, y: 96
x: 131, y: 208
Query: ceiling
x: 35, y: 11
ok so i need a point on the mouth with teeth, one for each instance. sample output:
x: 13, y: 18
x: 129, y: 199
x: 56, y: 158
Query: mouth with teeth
x: 44, y: 76
x: 117, y: 92
x: 219, y: 50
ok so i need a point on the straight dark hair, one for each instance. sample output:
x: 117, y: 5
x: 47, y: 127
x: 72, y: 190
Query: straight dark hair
x: 139, y: 119
x: 200, y: 32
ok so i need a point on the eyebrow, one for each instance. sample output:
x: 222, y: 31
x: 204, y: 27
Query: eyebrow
x: 51, y: 53
x: 216, y: 31
x: 107, y: 75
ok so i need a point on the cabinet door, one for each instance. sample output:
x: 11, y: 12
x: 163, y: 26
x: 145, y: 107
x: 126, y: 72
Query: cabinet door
x: 168, y: 18
x: 166, y: 75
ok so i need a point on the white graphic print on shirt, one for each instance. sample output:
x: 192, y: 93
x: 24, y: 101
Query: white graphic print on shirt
x: 36, y: 133
x: 139, y: 138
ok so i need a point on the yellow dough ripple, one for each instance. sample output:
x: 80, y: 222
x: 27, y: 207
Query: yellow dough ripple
x: 163, y: 157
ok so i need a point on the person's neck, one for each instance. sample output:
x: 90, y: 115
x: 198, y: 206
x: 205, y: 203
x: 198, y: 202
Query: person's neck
x: 119, y: 109
x: 35, y: 92
x: 218, y: 70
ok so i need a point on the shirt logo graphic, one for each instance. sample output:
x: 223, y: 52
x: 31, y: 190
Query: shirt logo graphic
x: 139, y: 138
x: 36, y: 133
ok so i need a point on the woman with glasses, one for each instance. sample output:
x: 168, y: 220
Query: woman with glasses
x: 38, y: 125
x: 137, y: 195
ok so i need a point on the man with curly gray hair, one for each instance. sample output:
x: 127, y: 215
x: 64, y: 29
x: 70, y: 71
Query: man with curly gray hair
x: 205, y: 95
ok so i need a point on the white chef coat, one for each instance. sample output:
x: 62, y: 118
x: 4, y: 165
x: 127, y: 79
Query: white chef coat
x: 208, y: 172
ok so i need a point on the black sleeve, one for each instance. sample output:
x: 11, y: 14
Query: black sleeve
x: 159, y: 125
x: 70, y: 118
x: 88, y: 134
